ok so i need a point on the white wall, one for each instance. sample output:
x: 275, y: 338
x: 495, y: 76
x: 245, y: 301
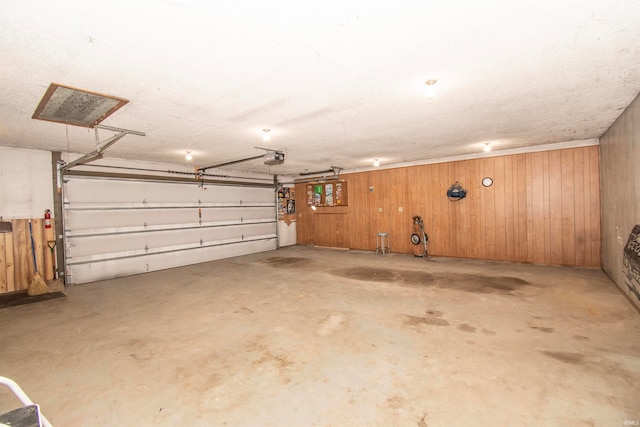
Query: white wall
x: 26, y: 186
x: 620, y: 189
x: 286, y: 233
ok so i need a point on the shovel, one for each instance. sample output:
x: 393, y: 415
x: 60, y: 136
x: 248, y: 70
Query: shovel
x: 51, y: 244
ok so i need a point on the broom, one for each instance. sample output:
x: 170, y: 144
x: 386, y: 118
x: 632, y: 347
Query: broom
x: 37, y: 286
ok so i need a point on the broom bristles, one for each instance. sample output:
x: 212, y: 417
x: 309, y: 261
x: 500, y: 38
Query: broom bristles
x: 37, y: 286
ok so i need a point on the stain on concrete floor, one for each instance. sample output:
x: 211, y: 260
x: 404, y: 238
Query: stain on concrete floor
x: 542, y: 329
x: 467, y: 328
x: 280, y: 261
x: 431, y: 317
x: 476, y: 283
x: 565, y: 357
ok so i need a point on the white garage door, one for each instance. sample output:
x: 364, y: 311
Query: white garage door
x: 119, y: 227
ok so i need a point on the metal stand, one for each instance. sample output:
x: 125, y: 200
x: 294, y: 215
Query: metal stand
x: 382, y: 243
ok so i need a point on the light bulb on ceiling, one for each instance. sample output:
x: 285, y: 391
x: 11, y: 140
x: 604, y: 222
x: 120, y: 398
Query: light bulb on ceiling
x: 487, y: 147
x: 376, y: 163
x: 431, y: 88
x: 265, y: 135
x: 188, y: 155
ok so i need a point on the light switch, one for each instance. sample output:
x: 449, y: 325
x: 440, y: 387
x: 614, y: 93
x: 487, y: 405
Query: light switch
x: 400, y: 209
x: 379, y: 209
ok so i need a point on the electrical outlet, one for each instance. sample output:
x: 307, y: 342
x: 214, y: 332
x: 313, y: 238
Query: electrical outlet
x: 400, y: 209
x: 379, y: 209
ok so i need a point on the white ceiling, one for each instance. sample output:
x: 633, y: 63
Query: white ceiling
x: 338, y: 82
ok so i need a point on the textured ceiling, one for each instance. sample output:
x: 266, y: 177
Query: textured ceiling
x: 338, y: 83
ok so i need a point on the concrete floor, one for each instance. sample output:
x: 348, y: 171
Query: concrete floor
x: 319, y: 337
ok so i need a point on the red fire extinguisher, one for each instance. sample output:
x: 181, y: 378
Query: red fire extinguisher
x: 47, y: 219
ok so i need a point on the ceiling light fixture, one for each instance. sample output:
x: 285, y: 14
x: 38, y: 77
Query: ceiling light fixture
x: 376, y: 163
x: 487, y: 147
x: 431, y: 88
x: 188, y: 155
x: 265, y: 135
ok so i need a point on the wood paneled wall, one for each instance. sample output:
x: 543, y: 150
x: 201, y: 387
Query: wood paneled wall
x: 16, y: 259
x: 543, y: 208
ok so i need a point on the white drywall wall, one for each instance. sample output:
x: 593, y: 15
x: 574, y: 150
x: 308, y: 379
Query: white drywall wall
x: 26, y: 186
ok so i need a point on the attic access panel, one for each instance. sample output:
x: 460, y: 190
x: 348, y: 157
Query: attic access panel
x: 78, y: 107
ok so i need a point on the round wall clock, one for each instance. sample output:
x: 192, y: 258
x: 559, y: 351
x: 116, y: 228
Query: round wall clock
x: 487, y: 181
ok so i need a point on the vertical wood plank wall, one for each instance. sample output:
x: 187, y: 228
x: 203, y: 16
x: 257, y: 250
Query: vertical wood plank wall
x: 543, y: 208
x: 16, y: 260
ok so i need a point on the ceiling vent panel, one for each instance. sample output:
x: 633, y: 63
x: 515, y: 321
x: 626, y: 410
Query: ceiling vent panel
x: 68, y: 105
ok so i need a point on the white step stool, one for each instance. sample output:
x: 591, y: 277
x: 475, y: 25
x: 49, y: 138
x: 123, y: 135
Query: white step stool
x: 382, y: 243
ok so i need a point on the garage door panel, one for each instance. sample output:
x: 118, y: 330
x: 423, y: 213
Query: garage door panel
x: 228, y: 194
x: 105, y: 191
x: 116, y: 244
x: 167, y: 217
x: 246, y: 231
x: 98, y: 191
x: 79, y: 221
x: 83, y: 222
x: 153, y: 192
x: 214, y: 215
x: 91, y: 272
